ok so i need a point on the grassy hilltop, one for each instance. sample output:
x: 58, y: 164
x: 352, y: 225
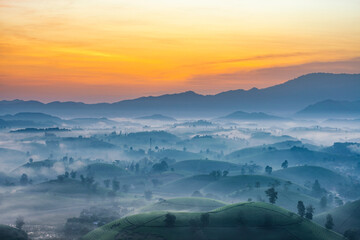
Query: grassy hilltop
x: 248, y: 220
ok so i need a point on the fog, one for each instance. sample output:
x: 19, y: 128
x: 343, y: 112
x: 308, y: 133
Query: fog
x: 66, y: 178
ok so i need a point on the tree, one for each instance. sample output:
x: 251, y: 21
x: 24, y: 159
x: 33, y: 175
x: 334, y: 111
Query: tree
x: 196, y: 194
x: 329, y: 222
x: 148, y: 195
x: 19, y: 223
x: 268, y: 169
x: 126, y: 188
x: 285, y: 164
x: 316, y: 188
x: 272, y: 195
x: 107, y: 183
x: 160, y: 167
x: 115, y: 185
x: 73, y: 174
x: 309, y: 212
x: 24, y: 179
x: 205, y: 219
x: 301, y: 208
x: 225, y: 173
x: 257, y: 184
x: 323, y: 202
x: 170, y: 220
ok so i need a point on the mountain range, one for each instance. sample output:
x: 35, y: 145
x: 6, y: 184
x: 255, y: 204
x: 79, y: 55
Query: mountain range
x: 288, y: 97
x: 332, y: 108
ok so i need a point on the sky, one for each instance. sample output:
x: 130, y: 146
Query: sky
x: 110, y: 50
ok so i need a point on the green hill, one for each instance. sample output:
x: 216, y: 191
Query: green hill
x: 204, y: 166
x: 286, y: 198
x: 345, y: 217
x: 103, y: 170
x: 67, y: 186
x: 184, y: 204
x: 238, y: 221
x: 295, y: 155
x: 230, y: 184
x: 302, y: 174
x: 10, y: 233
x: 187, y: 185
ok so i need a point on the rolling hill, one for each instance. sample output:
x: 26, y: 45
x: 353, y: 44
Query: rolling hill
x: 345, y: 217
x: 327, y: 178
x: 204, y: 166
x: 157, y: 117
x: 184, y: 204
x: 332, y: 108
x: 260, y: 116
x: 251, y: 221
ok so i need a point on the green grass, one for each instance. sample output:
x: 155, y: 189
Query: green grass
x: 286, y: 198
x: 237, y: 221
x: 184, y: 204
x: 204, y: 166
x: 187, y: 185
x: 230, y: 184
x: 345, y: 217
x: 301, y: 174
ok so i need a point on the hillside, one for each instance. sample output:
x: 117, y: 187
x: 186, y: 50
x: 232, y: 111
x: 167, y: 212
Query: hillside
x: 184, y: 204
x: 157, y: 117
x: 248, y: 220
x: 302, y: 174
x: 295, y: 156
x: 332, y: 108
x: 345, y: 217
x: 290, y: 96
x: 240, y: 115
x: 204, y: 166
x: 226, y: 185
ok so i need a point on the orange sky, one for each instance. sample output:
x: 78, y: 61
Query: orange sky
x: 108, y: 50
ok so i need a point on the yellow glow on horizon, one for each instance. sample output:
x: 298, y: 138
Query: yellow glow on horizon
x: 162, y: 45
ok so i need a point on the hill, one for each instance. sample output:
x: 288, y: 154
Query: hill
x: 32, y: 116
x: 184, y: 204
x: 248, y: 220
x: 240, y: 115
x: 204, y: 166
x: 187, y: 185
x: 157, y: 117
x: 290, y: 96
x: 302, y: 174
x: 10, y: 233
x: 332, y: 108
x: 287, y: 197
x: 345, y: 217
x: 295, y: 156
x: 226, y: 185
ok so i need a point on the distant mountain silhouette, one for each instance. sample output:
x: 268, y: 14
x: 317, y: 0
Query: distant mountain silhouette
x: 31, y: 116
x: 288, y: 97
x: 157, y: 117
x: 240, y: 115
x: 332, y: 108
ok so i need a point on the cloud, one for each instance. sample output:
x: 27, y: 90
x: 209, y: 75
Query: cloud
x: 265, y: 77
x: 259, y: 57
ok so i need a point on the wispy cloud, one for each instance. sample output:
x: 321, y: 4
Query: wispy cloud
x: 264, y: 77
x: 253, y: 58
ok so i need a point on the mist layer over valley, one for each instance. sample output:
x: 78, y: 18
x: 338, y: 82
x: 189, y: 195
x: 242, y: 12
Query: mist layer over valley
x: 157, y: 175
